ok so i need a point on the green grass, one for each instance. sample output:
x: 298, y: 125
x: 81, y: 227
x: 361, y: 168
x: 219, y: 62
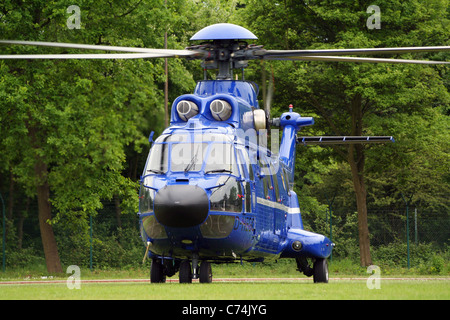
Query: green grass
x: 288, y: 289
x: 285, y: 268
x: 285, y: 290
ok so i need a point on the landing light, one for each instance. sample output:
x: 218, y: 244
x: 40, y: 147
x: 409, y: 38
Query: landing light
x: 297, y: 246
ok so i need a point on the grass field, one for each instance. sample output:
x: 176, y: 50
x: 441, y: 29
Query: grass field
x: 345, y: 283
x: 274, y: 290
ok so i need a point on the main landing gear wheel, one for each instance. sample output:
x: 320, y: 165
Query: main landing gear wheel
x: 205, y: 272
x: 185, y: 272
x: 320, y: 271
x: 157, y: 274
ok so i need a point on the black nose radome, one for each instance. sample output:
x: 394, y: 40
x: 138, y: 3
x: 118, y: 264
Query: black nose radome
x: 181, y: 206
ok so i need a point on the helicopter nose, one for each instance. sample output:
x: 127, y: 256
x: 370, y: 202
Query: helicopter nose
x: 181, y: 206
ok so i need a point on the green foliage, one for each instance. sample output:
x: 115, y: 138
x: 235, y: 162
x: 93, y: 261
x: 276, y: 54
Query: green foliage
x: 424, y: 259
x: 419, y: 162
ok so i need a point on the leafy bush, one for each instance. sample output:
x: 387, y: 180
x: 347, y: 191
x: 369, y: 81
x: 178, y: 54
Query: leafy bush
x: 424, y: 257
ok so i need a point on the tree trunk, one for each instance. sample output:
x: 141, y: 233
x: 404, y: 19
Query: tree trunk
x: 356, y: 159
x: 48, y: 237
x: 361, y: 205
x: 44, y: 209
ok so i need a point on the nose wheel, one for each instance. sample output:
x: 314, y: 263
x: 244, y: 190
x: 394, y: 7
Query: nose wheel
x: 320, y: 271
x: 185, y: 274
x: 204, y: 275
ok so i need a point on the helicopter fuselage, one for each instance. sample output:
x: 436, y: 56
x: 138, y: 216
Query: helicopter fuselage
x: 212, y: 189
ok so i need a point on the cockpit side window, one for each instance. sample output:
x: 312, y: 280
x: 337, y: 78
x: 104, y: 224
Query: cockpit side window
x: 228, y: 197
x: 245, y: 183
x: 241, y: 161
x: 158, y: 159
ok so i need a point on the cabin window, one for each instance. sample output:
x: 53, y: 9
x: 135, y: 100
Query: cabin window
x: 285, y: 180
x: 250, y: 172
x: 248, y: 207
x: 245, y: 183
x: 289, y: 185
x: 267, y: 186
x: 267, y: 183
x: 275, y: 186
x: 249, y: 163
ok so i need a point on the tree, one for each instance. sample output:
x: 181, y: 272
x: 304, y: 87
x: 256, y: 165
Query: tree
x: 418, y: 165
x: 66, y: 124
x: 346, y: 98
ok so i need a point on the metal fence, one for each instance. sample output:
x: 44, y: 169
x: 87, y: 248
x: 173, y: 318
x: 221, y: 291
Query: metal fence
x: 123, y: 244
x: 395, y: 235
x: 393, y: 226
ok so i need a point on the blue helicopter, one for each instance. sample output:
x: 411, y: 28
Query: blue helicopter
x: 212, y: 190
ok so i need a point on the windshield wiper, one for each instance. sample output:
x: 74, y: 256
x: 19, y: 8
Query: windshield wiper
x: 218, y: 170
x: 155, y: 171
x: 192, y: 162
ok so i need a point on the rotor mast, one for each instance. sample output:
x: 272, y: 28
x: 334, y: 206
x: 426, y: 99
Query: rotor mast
x: 224, y: 55
x: 225, y: 51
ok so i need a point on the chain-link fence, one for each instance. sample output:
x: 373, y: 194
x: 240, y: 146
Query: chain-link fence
x: 394, y: 239
x: 388, y: 226
x: 115, y: 240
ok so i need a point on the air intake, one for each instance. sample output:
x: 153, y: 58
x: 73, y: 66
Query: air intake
x: 186, y: 109
x: 220, y: 110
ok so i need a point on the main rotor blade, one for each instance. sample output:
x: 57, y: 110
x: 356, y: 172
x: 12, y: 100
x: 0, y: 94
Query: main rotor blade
x: 355, y: 59
x: 164, y: 52
x: 339, y: 52
x: 85, y: 56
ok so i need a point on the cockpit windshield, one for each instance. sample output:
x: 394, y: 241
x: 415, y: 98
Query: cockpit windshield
x: 208, y: 153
